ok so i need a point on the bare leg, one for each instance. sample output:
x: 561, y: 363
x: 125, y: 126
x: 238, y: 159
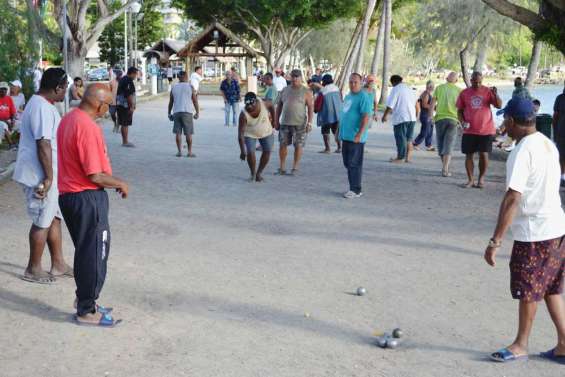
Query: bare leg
x: 263, y: 161
x: 527, y: 313
x: 283, y: 151
x: 55, y: 243
x: 178, y: 139
x: 409, y: 149
x: 446, y: 160
x: 37, y: 241
x: 483, y: 166
x: 251, y: 162
x: 326, y: 143
x: 124, y: 135
x: 297, y: 156
x: 556, y: 308
x: 338, y: 142
x: 189, y: 144
x: 470, y: 168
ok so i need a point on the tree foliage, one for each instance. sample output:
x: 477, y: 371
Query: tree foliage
x: 278, y: 25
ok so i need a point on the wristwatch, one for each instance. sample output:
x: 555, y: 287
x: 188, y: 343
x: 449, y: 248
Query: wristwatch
x: 492, y: 243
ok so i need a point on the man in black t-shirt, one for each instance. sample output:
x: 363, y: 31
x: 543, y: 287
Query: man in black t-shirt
x: 125, y: 103
x: 559, y: 131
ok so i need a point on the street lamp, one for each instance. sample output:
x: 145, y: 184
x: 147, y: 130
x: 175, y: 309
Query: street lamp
x: 134, y: 7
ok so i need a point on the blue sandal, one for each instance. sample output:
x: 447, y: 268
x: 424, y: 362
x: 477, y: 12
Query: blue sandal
x: 105, y: 321
x: 550, y: 355
x: 103, y: 310
x: 504, y: 355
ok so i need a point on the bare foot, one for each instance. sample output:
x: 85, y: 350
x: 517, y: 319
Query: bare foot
x: 62, y: 271
x: 517, y: 350
x: 396, y: 160
x: 259, y: 178
x: 468, y: 184
x: 39, y: 277
x: 325, y: 151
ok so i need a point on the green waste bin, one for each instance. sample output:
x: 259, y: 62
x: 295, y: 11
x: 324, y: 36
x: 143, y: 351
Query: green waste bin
x: 543, y: 124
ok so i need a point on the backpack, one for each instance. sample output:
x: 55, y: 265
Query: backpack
x: 318, y: 103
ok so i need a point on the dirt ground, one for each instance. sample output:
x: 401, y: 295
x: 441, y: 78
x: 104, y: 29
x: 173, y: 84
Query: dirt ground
x: 214, y: 276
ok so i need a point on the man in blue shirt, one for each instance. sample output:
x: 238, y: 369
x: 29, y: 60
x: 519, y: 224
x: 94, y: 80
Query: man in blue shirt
x: 354, y: 119
x: 231, y: 93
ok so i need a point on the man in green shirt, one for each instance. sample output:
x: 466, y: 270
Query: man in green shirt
x: 271, y: 91
x: 444, y: 99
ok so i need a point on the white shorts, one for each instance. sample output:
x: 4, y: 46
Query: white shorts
x: 42, y: 211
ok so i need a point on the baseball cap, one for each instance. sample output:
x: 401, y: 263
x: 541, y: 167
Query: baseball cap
x: 519, y: 107
x: 327, y: 79
x: 250, y: 99
x: 17, y: 83
x: 4, y: 85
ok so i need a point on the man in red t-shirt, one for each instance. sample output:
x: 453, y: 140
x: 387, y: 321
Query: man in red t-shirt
x: 473, y: 109
x: 84, y: 172
x: 7, y: 108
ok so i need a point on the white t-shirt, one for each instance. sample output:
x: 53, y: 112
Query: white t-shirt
x: 402, y: 101
x: 19, y: 101
x: 40, y: 120
x: 182, y: 98
x: 533, y: 170
x: 279, y: 82
x: 170, y: 72
x: 195, y: 79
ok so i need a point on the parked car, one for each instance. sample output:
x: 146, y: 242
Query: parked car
x: 98, y: 74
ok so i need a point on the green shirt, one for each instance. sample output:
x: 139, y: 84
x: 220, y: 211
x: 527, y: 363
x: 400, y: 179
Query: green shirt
x: 446, y: 97
x: 270, y: 94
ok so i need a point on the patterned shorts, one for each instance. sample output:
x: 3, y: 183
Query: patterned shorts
x: 537, y: 269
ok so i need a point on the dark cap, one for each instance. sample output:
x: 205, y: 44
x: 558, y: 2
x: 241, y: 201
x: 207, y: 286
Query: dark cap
x: 519, y: 108
x: 327, y: 79
x: 250, y: 98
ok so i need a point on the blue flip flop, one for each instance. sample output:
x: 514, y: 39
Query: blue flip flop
x: 550, y: 355
x: 103, y: 310
x: 105, y: 321
x: 504, y: 355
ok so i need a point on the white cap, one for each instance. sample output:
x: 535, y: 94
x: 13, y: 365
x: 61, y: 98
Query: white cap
x: 17, y: 83
x: 4, y: 85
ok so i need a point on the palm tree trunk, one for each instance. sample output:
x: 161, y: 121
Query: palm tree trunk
x: 387, y: 8
x: 364, y: 32
x: 378, y: 43
x: 534, y: 62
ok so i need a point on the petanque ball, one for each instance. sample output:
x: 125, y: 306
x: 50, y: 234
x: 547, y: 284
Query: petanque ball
x: 391, y: 343
x: 381, y: 341
x: 361, y: 291
x: 40, y: 187
x: 397, y: 333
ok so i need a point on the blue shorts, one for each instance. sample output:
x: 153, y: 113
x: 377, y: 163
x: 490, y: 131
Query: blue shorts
x: 266, y: 143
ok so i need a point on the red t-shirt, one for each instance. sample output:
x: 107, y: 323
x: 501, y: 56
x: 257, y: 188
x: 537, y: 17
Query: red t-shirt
x: 475, y: 104
x: 7, y: 108
x: 81, y: 151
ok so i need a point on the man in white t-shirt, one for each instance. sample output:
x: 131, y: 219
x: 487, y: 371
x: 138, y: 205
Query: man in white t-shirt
x: 183, y: 103
x: 36, y: 171
x: 405, y: 109
x: 532, y: 209
x: 195, y: 79
x: 279, y: 81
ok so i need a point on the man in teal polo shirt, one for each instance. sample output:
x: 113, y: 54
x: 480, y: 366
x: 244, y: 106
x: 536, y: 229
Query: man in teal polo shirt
x: 354, y: 119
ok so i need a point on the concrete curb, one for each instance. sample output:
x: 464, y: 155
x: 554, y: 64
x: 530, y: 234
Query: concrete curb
x: 6, y: 175
x: 151, y: 98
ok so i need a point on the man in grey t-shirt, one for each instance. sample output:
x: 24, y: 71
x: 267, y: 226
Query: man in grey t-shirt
x: 293, y: 119
x: 36, y: 171
x: 183, y: 106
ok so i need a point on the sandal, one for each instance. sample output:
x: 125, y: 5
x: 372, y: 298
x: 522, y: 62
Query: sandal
x: 504, y: 355
x: 48, y: 279
x: 550, y: 355
x: 105, y: 321
x: 280, y: 172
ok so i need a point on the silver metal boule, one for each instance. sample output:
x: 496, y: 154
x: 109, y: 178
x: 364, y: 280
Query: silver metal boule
x: 397, y: 333
x: 391, y: 343
x: 361, y: 291
x: 381, y: 341
x: 40, y: 186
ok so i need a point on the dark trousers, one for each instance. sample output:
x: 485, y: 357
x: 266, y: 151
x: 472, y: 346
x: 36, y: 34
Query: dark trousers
x: 426, y: 132
x: 353, y: 160
x: 86, y: 216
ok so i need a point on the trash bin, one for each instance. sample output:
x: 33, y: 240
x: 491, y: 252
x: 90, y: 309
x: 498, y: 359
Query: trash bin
x: 543, y: 124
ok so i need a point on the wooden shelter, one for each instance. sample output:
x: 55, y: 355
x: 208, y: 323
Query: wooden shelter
x: 217, y: 41
x: 163, y: 50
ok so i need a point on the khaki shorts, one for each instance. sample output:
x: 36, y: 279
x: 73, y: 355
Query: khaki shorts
x: 42, y: 212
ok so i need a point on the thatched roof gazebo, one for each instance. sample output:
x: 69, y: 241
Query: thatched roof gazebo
x: 217, y: 41
x: 164, y: 49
